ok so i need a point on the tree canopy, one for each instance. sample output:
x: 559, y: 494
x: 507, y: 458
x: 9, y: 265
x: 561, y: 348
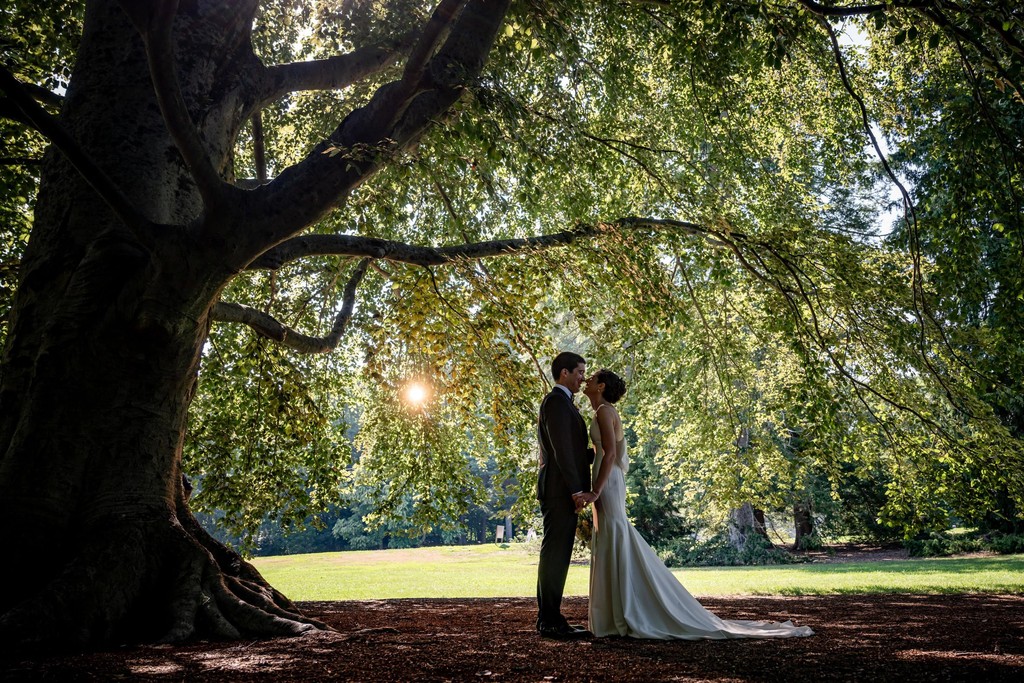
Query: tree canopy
x: 741, y: 248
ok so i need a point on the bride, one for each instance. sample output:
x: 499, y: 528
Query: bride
x: 632, y: 593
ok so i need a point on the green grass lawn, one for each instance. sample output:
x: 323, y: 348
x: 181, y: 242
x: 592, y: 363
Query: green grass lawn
x: 492, y: 571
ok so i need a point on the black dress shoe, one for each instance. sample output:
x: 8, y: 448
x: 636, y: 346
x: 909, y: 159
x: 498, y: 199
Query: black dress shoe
x: 564, y: 632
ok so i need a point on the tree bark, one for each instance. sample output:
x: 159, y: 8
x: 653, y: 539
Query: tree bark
x: 744, y: 522
x: 106, y: 336
x: 803, y: 523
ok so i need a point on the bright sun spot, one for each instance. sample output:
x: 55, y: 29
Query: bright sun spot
x: 416, y: 393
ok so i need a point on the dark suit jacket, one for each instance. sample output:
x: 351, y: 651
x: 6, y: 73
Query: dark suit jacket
x: 565, y: 455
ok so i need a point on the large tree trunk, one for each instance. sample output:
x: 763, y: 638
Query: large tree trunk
x: 105, y: 341
x: 113, y: 310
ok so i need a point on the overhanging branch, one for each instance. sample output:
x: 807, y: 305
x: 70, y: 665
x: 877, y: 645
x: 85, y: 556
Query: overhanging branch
x: 389, y: 250
x: 737, y: 242
x: 267, y: 326
x: 921, y: 309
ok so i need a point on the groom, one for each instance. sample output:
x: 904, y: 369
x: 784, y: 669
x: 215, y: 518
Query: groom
x: 563, y: 480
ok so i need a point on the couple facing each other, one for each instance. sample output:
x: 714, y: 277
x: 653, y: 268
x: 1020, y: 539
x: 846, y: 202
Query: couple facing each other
x: 632, y: 593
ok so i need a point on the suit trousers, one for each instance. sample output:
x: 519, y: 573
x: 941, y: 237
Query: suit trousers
x: 560, y: 520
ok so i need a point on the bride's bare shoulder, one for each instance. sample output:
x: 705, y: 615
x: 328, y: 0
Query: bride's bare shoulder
x: 611, y: 415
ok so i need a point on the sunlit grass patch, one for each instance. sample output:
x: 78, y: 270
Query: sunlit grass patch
x: 1002, y: 574
x: 496, y: 571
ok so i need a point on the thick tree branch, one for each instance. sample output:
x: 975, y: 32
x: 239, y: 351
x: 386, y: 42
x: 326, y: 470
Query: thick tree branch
x: 738, y: 243
x: 333, y: 73
x: 43, y: 95
x: 259, y: 151
x: 303, y: 193
x: 855, y: 10
x: 9, y: 110
x: 267, y: 326
x: 391, y: 101
x: 20, y: 161
x: 12, y: 112
x: 155, y: 24
x: 435, y: 30
x: 50, y: 127
x: 351, y: 245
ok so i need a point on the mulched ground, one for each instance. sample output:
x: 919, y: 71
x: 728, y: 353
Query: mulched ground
x: 859, y: 638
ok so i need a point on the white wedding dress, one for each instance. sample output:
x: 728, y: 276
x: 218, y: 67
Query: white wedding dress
x: 632, y: 592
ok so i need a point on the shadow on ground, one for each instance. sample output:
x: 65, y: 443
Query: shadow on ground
x: 859, y: 638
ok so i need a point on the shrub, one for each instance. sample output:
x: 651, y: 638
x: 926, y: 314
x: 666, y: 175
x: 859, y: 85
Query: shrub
x: 938, y: 544
x: 717, y: 551
x: 811, y: 542
x: 363, y: 543
x: 1007, y: 544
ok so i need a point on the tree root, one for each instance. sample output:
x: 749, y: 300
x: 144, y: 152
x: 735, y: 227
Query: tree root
x: 223, y: 596
x: 155, y: 581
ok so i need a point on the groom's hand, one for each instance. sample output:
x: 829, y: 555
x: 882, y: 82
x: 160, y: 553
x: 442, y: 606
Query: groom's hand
x: 582, y: 499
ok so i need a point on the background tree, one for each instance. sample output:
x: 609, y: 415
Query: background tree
x: 270, y: 166
x: 957, y: 143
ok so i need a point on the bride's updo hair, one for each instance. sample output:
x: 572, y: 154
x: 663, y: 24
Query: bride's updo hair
x: 614, y: 386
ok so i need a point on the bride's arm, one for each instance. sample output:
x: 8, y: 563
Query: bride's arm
x: 606, y: 423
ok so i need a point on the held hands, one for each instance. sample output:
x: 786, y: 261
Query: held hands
x: 583, y: 499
